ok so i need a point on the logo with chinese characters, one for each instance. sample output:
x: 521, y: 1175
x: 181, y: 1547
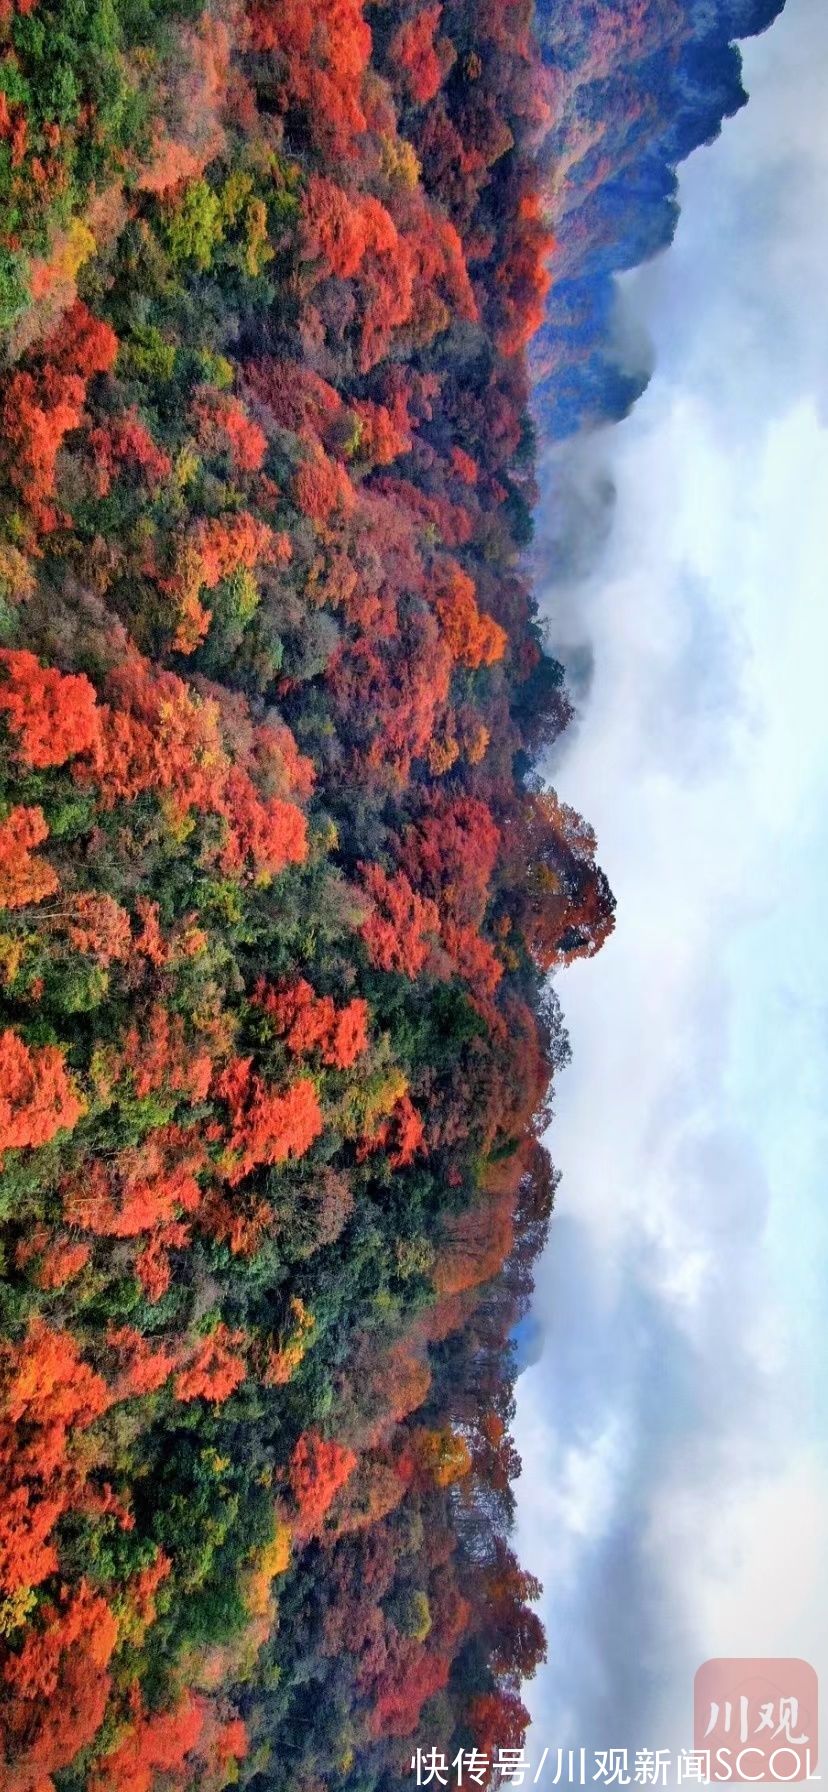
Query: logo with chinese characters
x: 757, y: 1719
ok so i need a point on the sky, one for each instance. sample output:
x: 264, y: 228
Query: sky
x: 674, y: 1495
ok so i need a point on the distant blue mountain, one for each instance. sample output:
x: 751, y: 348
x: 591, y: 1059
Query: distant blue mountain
x: 637, y: 85
x: 527, y: 1338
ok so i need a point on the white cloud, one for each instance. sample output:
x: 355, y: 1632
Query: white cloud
x: 673, y: 1468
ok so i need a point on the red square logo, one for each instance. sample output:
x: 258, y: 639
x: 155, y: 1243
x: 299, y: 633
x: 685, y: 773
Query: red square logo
x: 757, y: 1718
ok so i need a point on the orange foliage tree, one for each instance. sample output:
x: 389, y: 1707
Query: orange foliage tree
x: 319, y: 1467
x: 38, y: 1097
x: 266, y: 1125
x: 24, y: 879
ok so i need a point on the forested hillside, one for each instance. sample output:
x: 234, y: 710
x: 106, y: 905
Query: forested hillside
x: 281, y: 888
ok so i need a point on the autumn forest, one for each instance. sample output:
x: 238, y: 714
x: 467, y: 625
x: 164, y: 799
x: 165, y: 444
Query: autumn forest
x: 289, y: 290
